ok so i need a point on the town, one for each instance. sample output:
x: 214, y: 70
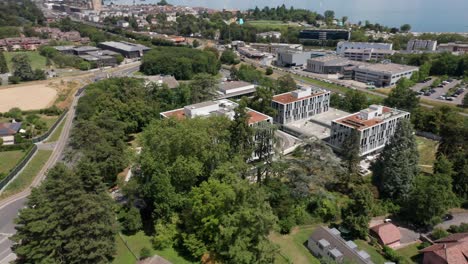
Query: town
x: 160, y: 133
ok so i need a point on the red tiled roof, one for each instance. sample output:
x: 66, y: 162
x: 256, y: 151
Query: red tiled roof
x: 452, y: 249
x: 178, y: 113
x: 387, y: 232
x: 256, y: 117
x: 289, y: 98
x: 358, y: 123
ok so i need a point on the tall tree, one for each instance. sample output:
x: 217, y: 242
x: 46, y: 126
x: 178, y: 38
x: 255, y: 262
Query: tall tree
x: 396, y: 168
x: 286, y: 83
x: 350, y: 150
x: 264, y: 148
x: 402, y: 96
x: 3, y: 63
x: 203, y: 87
x: 64, y: 223
x: 242, y: 135
x: 358, y: 214
x: 22, y: 67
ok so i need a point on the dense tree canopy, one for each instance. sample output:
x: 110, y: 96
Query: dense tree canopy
x: 20, y: 12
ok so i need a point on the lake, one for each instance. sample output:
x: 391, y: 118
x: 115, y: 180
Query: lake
x: 423, y: 15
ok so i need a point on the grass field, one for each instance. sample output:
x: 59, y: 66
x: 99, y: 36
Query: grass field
x: 375, y: 256
x: 25, y: 178
x: 139, y: 241
x: 8, y: 160
x: 268, y: 24
x: 292, y: 248
x: 427, y: 153
x: 37, y: 61
x: 56, y: 134
x: 411, y: 253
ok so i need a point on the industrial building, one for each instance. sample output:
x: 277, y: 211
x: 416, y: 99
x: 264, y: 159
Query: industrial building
x: 382, y: 74
x: 273, y: 48
x: 269, y: 35
x: 300, y: 104
x: 343, y: 46
x: 367, y: 54
x: 236, y: 89
x: 454, y: 47
x: 424, y: 45
x: 127, y: 49
x: 375, y: 125
x: 324, y: 34
x: 328, y: 64
x: 250, y: 52
x: 289, y: 58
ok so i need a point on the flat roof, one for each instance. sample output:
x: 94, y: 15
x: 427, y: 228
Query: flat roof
x: 356, y: 122
x: 371, y: 50
x: 288, y: 98
x: 86, y: 48
x: 226, y: 86
x: 391, y: 68
x: 332, y: 60
x: 125, y: 46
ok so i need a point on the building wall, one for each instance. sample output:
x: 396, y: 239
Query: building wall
x: 324, y: 34
x: 8, y: 140
x: 287, y: 59
x: 380, y: 79
x: 416, y: 44
x: 301, y: 109
x: 345, y: 45
x: 322, y: 68
x: 372, y: 138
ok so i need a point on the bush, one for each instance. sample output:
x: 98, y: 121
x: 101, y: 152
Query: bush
x: 130, y: 219
x: 165, y: 234
x: 84, y: 66
x: 439, y: 233
x: 14, y: 79
x: 145, y: 253
x: 269, y: 71
x: 51, y: 111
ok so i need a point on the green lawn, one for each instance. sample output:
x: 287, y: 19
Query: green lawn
x: 57, y: 132
x: 427, y: 153
x: 25, y: 178
x: 37, y: 61
x: 268, y: 24
x: 8, y: 160
x: 292, y: 248
x: 375, y: 255
x: 411, y: 253
x: 139, y: 241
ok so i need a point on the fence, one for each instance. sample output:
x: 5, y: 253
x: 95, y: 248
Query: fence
x: 18, y: 167
x: 47, y: 134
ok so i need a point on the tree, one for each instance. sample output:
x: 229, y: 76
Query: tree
x: 269, y: 71
x: 22, y: 67
x: 145, y: 253
x: 264, y: 148
x: 402, y: 96
x: 196, y: 43
x: 262, y: 101
x: 130, y: 220
x: 465, y: 101
x: 63, y: 222
x: 203, y: 87
x: 3, y: 64
x: 228, y: 57
x: 358, y: 214
x: 234, y: 74
x: 329, y: 14
x: 39, y: 74
x: 242, y: 135
x: 396, y: 168
x: 286, y: 83
x: 350, y: 150
x: 163, y: 3
x: 405, y: 27
x: 229, y: 221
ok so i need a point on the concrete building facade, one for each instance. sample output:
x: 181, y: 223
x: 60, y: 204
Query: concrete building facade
x: 288, y: 58
x: 300, y: 104
x: 454, y: 47
x: 127, y: 49
x: 327, y: 64
x: 375, y: 125
x: 383, y: 74
x: 324, y: 34
x: 418, y: 44
x: 347, y: 45
x: 367, y: 54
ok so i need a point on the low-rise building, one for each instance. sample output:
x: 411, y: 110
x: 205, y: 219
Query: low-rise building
x: 273, y: 48
x: 289, y: 58
x: 250, y: 52
x: 328, y: 64
x: 367, y: 54
x: 168, y: 80
x: 324, y: 34
x: 454, y: 47
x: 83, y: 50
x: 127, y: 49
x: 419, y: 44
x: 387, y: 234
x: 236, y: 89
x: 123, y: 24
x: 328, y: 243
x: 375, y: 125
x: 449, y: 250
x: 343, y: 46
x: 15, y: 44
x: 8, y: 132
x: 300, y: 104
x: 269, y: 35
x: 383, y: 74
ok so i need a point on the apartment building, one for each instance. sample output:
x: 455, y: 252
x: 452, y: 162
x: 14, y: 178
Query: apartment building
x: 300, y: 104
x: 383, y: 74
x: 367, y: 54
x: 343, y: 46
x: 376, y: 126
x: 419, y: 44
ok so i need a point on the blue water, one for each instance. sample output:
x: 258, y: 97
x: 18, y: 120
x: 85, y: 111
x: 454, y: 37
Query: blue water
x: 423, y: 15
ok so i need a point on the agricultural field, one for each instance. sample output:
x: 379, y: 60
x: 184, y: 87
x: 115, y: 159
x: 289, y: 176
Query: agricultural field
x: 27, y: 96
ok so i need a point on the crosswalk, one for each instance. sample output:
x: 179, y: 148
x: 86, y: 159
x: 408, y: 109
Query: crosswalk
x: 6, y: 256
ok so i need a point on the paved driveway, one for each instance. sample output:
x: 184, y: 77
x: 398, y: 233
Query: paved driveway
x: 458, y: 218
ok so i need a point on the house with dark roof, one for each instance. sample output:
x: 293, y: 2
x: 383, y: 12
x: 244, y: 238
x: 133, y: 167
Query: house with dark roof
x: 328, y: 243
x: 450, y: 250
x: 8, y: 132
x: 387, y: 234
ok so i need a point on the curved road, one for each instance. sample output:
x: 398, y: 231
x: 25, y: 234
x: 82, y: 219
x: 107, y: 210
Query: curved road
x: 10, y: 206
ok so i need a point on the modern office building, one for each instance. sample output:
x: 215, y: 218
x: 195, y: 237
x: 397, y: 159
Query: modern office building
x: 346, y: 45
x: 127, y: 49
x: 328, y: 243
x: 375, y: 125
x: 289, y: 58
x: 454, y: 47
x: 269, y: 34
x: 367, y: 54
x: 300, y: 104
x: 273, y: 48
x: 324, y: 34
x: 382, y: 74
x: 236, y: 89
x: 424, y: 45
x: 328, y: 64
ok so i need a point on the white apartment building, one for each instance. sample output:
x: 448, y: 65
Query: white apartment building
x: 367, y: 54
x: 418, y: 44
x: 345, y: 45
x: 376, y: 126
x: 300, y: 104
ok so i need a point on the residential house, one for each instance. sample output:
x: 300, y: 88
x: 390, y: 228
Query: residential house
x: 387, y: 234
x: 8, y: 132
x: 450, y: 250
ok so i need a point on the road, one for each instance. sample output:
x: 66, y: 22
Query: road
x: 10, y: 207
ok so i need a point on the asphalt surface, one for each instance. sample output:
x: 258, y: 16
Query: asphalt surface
x: 10, y: 206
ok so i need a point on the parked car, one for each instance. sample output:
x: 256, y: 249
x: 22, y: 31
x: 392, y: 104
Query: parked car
x: 441, y: 97
x: 450, y: 98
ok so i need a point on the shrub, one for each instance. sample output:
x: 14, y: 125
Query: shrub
x: 269, y: 71
x: 439, y: 233
x: 145, y: 253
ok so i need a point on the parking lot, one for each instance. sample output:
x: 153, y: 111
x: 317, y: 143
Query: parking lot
x: 440, y: 92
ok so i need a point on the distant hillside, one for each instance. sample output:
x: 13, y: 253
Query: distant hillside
x: 19, y: 13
